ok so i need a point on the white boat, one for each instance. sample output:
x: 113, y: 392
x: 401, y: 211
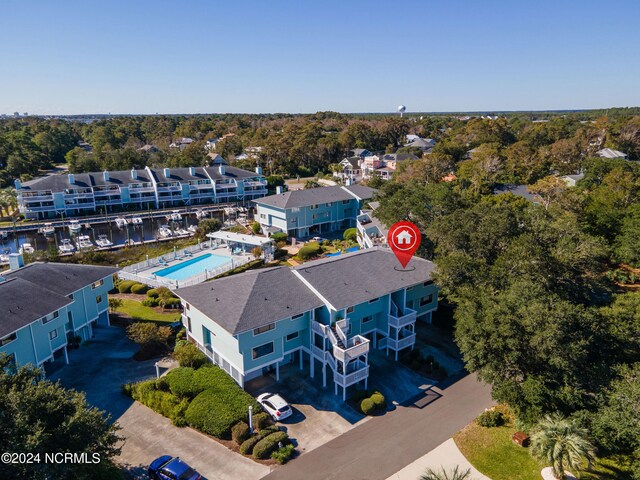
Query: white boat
x: 174, y: 216
x: 27, y: 248
x: 121, y: 222
x: 4, y: 256
x: 192, y: 228
x: 164, y: 231
x: 136, y: 221
x: 103, y: 241
x: 48, y: 229
x: 182, y: 231
x: 66, y: 246
x: 74, y: 226
x: 129, y: 243
x: 84, y: 241
x: 200, y: 214
x: 4, y: 235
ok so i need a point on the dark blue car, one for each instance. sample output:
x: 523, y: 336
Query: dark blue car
x: 167, y: 467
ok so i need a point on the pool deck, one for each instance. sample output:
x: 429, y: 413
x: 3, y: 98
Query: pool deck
x: 148, y: 274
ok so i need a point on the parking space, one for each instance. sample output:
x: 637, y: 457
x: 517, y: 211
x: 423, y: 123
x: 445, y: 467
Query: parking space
x: 318, y: 414
x: 99, y: 369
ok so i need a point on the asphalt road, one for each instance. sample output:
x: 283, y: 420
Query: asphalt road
x: 386, y: 444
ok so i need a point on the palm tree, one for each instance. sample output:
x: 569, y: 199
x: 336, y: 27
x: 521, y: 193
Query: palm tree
x: 562, y: 443
x: 442, y: 474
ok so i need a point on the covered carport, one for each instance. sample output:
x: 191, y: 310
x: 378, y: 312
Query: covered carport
x: 241, y: 243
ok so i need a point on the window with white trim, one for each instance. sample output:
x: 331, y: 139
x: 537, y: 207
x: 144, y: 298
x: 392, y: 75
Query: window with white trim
x: 350, y: 309
x: 53, y: 334
x: 367, y: 319
x: 8, y: 339
x: 262, y: 350
x: 99, y: 299
x: 426, y: 300
x: 374, y: 300
x: 97, y: 284
x: 266, y: 328
x: 297, y: 316
x: 292, y: 336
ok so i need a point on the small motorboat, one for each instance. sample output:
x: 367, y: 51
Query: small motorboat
x: 192, y: 228
x: 174, y: 216
x: 182, y: 231
x: 136, y: 221
x: 48, y: 229
x: 121, y: 222
x: 74, y: 226
x: 103, y: 241
x: 200, y: 214
x: 4, y: 256
x: 164, y: 231
x: 84, y: 242
x: 4, y: 234
x: 27, y: 248
x: 129, y: 243
x: 66, y: 246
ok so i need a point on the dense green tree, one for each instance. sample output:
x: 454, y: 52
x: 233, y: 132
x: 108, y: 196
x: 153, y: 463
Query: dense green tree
x: 39, y: 417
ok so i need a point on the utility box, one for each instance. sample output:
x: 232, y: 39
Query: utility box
x: 520, y: 438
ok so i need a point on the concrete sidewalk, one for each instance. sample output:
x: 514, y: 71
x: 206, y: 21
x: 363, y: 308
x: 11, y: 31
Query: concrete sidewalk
x: 446, y: 456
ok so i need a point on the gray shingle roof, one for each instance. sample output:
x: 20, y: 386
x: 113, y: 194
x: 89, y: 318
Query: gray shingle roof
x: 251, y: 299
x: 357, y: 277
x: 61, y: 278
x: 315, y: 196
x: 256, y: 298
x: 24, y: 302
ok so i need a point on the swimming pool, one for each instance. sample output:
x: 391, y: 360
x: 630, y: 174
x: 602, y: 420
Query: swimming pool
x: 192, y: 267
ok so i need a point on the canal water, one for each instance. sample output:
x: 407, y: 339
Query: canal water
x: 146, y: 231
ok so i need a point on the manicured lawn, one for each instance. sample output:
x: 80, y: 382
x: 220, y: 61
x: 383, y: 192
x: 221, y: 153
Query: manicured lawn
x: 137, y: 311
x: 493, y: 453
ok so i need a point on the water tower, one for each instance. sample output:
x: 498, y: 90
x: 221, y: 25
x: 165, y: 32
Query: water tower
x: 401, y: 109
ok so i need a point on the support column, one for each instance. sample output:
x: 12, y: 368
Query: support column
x: 301, y: 359
x: 396, y: 355
x: 344, y: 394
x: 277, y: 371
x: 324, y: 375
x: 335, y: 388
x: 312, y: 362
x: 366, y: 381
x: 66, y: 355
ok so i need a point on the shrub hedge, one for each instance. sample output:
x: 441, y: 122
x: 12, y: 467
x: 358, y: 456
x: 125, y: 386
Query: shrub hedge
x: 160, y: 401
x: 282, y: 455
x: 490, y: 418
x: 181, y: 382
x: 367, y: 406
x: 269, y: 444
x: 378, y: 401
x: 150, y: 302
x: 188, y: 355
x: 125, y: 286
x: 261, y: 420
x: 240, y: 432
x: 153, y: 293
x: 139, y: 288
x: 310, y: 250
x: 247, y: 446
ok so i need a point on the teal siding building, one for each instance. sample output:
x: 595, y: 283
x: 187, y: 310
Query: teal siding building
x: 329, y: 312
x: 47, y: 305
x: 315, y: 211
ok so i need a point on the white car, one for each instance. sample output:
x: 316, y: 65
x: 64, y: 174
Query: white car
x: 318, y: 239
x: 275, y: 405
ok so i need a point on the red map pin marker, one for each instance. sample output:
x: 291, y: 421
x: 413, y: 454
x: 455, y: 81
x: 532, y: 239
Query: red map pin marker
x: 404, y: 239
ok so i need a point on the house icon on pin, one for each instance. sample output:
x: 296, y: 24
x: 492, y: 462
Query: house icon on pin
x: 404, y: 237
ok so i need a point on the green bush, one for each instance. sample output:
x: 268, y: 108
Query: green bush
x: 279, y: 237
x: 379, y: 401
x: 261, y: 420
x: 256, y: 228
x: 268, y: 444
x: 283, y: 454
x: 217, y: 409
x: 240, y: 433
x: 162, y: 402
x: 247, y: 446
x: 125, y: 286
x: 312, y: 249
x: 350, y: 234
x: 150, y: 302
x: 490, y: 418
x: 178, y: 415
x: 139, y: 288
x: 162, y: 384
x: 153, y: 293
x: 172, y: 303
x: 181, y: 382
x: 367, y: 406
x: 189, y: 355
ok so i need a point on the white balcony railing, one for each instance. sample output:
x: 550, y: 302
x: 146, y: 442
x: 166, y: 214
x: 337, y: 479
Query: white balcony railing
x: 359, y: 371
x: 402, y: 343
x: 357, y: 345
x: 400, y: 321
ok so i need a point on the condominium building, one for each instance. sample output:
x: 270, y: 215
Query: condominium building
x: 45, y: 306
x: 331, y: 312
x: 314, y: 211
x: 138, y: 189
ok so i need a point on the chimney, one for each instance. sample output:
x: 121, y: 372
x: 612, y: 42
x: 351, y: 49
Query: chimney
x: 105, y: 175
x: 278, y: 189
x: 259, y: 170
x: 134, y: 174
x: 16, y: 261
x: 192, y: 171
x: 72, y: 179
x: 221, y: 169
x: 167, y: 173
x: 17, y: 184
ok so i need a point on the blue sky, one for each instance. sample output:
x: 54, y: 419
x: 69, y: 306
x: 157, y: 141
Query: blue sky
x: 141, y: 56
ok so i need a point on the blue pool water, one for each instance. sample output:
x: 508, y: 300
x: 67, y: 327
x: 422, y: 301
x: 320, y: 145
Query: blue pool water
x: 193, y: 266
x: 352, y: 249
